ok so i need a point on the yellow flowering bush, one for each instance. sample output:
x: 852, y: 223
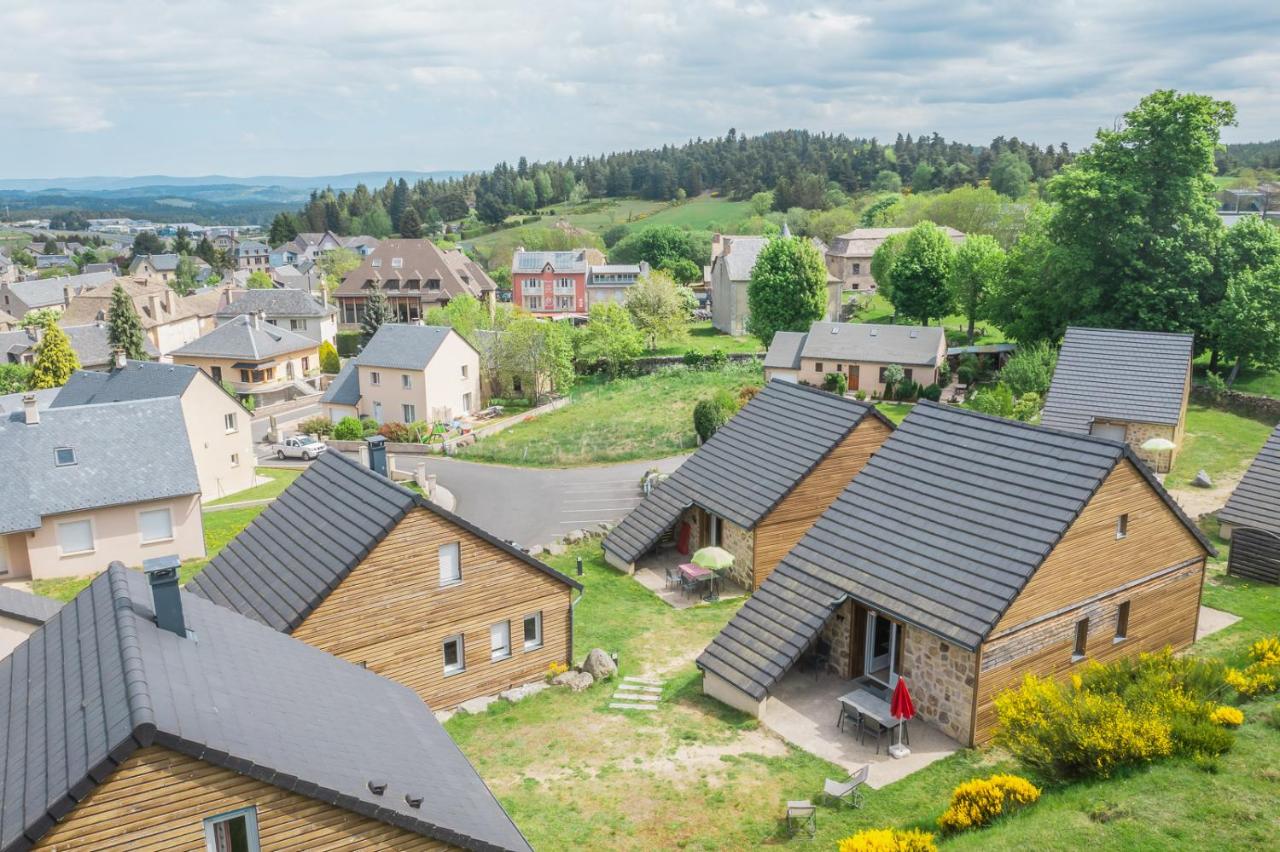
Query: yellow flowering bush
x: 889, y: 840
x: 980, y: 802
x: 1254, y: 680
x: 556, y: 668
x: 1228, y: 717
x: 1266, y: 651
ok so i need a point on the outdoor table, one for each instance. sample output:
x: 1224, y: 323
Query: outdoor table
x: 871, y: 706
x: 698, y: 574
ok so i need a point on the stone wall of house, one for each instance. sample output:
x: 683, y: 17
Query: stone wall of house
x: 1136, y: 434
x: 836, y: 634
x: 741, y: 543
x: 941, y: 677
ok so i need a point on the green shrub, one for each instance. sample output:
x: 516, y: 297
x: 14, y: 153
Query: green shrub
x: 1030, y: 370
x: 348, y: 429
x: 837, y: 383
x: 860, y: 395
x: 250, y: 404
x: 967, y: 371
x: 715, y: 360
x: 693, y: 359
x: 1027, y: 407
x: 1195, y: 736
x: 713, y: 412
x: 994, y: 400
x: 933, y: 393
x: 396, y: 432
x: 944, y: 373
x: 316, y: 426
x: 329, y: 360
x: 1215, y: 383
x: 906, y: 390
x: 348, y: 343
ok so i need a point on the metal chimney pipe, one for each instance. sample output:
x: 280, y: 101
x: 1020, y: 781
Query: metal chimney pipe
x: 162, y: 574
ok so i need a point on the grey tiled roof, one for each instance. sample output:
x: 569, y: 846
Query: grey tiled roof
x: 238, y: 338
x: 397, y: 346
x: 90, y: 342
x: 345, y: 387
x: 138, y: 380
x: 49, y: 291
x: 908, y: 345
x: 561, y: 261
x: 24, y: 606
x: 101, y: 680
x: 1256, y: 501
x: 751, y: 463
x: 740, y: 255
x: 126, y: 452
x: 161, y: 262
x: 1105, y: 374
x: 305, y: 543
x: 941, y: 529
x: 275, y: 302
x: 784, y: 351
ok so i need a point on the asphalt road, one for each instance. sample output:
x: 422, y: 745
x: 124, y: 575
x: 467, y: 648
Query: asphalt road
x: 285, y: 422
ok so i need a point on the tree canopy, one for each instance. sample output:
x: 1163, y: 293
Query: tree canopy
x: 920, y: 274
x: 124, y: 326
x: 657, y: 308
x: 377, y: 310
x: 609, y: 339
x: 978, y: 269
x: 788, y: 289
x: 55, y: 360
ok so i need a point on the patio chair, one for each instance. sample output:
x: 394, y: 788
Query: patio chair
x: 688, y: 585
x: 673, y: 576
x: 848, y: 713
x: 802, y: 815
x: 847, y: 790
x: 867, y: 725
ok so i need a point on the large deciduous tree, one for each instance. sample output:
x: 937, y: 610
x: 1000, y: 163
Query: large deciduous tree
x: 124, y: 326
x: 657, y: 308
x: 920, y: 273
x: 977, y: 271
x: 55, y: 360
x: 1247, y: 322
x: 610, y: 339
x: 788, y: 289
x: 1011, y: 175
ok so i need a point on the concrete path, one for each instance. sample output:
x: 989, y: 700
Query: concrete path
x: 1213, y: 620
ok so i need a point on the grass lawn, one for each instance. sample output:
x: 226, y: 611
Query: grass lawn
x: 623, y: 420
x: 704, y: 213
x: 879, y: 310
x: 895, y: 411
x: 703, y: 337
x: 1217, y: 441
x: 1253, y: 381
x: 281, y: 478
x: 10, y: 240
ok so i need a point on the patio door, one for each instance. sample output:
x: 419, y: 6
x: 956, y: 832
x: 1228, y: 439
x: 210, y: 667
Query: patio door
x: 881, y: 649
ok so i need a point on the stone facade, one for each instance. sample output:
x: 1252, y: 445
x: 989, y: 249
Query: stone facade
x: 1136, y: 434
x: 942, y: 679
x: 836, y: 633
x: 741, y: 543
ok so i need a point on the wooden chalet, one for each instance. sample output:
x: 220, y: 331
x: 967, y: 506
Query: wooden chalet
x: 1251, y: 518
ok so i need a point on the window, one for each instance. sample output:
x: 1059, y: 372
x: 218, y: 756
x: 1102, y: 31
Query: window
x: 375, y: 378
x: 64, y: 456
x: 454, y: 661
x: 1122, y: 622
x: 450, y: 564
x: 532, y: 302
x: 409, y: 412
x: 232, y: 832
x: 564, y: 285
x: 377, y: 262
x: 1122, y: 526
x: 155, y: 525
x: 244, y: 376
x: 818, y: 366
x: 235, y: 459
x: 466, y: 402
x: 564, y: 303
x: 397, y: 262
x: 297, y: 325
x: 500, y: 640
x: 306, y: 363
x: 229, y: 422
x: 906, y: 374
x: 464, y: 371
x: 1082, y: 640
x: 406, y: 381
x: 533, y: 631
x: 433, y: 283
x: 857, y: 269
x: 75, y: 537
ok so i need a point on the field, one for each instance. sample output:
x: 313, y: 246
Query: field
x: 703, y: 337
x: 1219, y: 442
x: 704, y: 213
x: 623, y: 420
x: 11, y: 239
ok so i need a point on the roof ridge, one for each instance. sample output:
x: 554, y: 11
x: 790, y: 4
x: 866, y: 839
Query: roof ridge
x: 142, y: 713
x: 1022, y: 424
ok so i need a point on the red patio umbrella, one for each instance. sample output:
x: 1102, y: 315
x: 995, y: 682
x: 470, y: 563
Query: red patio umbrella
x: 900, y: 706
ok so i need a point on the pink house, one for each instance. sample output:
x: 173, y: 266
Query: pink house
x: 552, y: 283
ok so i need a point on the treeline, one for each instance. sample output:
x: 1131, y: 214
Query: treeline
x: 801, y: 168
x: 1248, y: 155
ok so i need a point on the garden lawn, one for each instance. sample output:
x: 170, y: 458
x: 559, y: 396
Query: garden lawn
x: 281, y: 478
x: 895, y: 411
x: 1216, y: 441
x: 879, y: 310
x: 703, y: 337
x: 615, y: 421
x: 1251, y: 381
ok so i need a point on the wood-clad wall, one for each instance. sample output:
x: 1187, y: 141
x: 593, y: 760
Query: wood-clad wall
x: 1089, y: 560
x: 1255, y: 555
x: 158, y: 799
x: 779, y: 531
x: 392, y: 615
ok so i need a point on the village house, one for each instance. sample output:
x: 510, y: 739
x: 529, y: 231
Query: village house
x: 168, y: 319
x: 861, y: 352
x: 1129, y: 386
x: 20, y: 614
x: 252, y: 356
x: 295, y: 310
x: 139, y: 716
x: 91, y: 343
x: 252, y: 256
x: 53, y: 261
x: 757, y: 485
x: 8, y: 322
x: 8, y: 269
x: 611, y: 282
x: 161, y: 268
x: 553, y: 283
x: 1251, y: 518
x: 969, y: 552
x: 849, y: 255
x: 407, y: 373
x: 89, y: 484
x: 415, y: 276
x: 217, y: 425
x: 733, y: 258
x: 20, y: 297
x: 396, y: 584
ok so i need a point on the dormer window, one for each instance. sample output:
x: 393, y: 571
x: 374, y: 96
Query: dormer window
x: 397, y: 262
x: 433, y: 283
x: 377, y: 262
x: 64, y: 456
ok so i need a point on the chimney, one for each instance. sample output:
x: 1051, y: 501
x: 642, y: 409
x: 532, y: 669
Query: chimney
x: 168, y: 301
x: 153, y: 301
x: 120, y: 362
x: 66, y: 294
x: 162, y: 573
x: 257, y: 319
x: 30, y: 410
x: 377, y: 453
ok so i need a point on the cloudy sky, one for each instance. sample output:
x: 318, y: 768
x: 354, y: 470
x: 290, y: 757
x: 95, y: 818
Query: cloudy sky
x: 306, y: 87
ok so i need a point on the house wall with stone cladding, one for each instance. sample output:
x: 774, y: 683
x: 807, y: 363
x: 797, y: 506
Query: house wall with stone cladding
x: 741, y: 543
x: 1135, y: 434
x: 836, y: 634
x: 941, y: 677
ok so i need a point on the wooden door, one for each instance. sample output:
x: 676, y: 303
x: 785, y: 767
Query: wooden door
x: 853, y: 377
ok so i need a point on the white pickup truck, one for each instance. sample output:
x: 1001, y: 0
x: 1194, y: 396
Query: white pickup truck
x: 300, y: 447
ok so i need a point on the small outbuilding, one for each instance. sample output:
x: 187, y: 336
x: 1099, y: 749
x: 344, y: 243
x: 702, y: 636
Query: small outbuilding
x: 1251, y: 518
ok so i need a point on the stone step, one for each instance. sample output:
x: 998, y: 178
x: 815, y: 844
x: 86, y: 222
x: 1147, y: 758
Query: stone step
x: 617, y: 705
x: 631, y: 696
x: 635, y: 687
x: 646, y: 681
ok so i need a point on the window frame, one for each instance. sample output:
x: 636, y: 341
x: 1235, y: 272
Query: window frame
x: 456, y: 579
x: 57, y: 457
x: 1080, y: 643
x: 461, y: 665
x: 250, y: 815
x: 235, y: 459
x: 1122, y: 527
x: 406, y: 381
x: 536, y: 643
x: 498, y: 653
x: 1123, y: 610
x: 93, y: 538
x: 230, y: 423
x: 168, y: 513
x: 375, y: 378
x: 409, y: 412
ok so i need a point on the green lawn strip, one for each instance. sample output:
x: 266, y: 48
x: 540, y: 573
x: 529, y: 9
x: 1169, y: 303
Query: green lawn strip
x: 615, y: 421
x: 704, y: 337
x: 895, y: 411
x: 281, y: 478
x: 1217, y: 441
x: 704, y: 213
x: 880, y: 310
x: 1263, y: 383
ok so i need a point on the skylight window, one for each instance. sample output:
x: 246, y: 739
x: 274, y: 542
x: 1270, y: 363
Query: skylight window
x: 64, y: 456
x: 397, y: 262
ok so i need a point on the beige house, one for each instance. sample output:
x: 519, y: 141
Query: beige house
x: 20, y: 614
x: 19, y: 297
x: 849, y: 255
x: 89, y: 484
x: 218, y: 426
x: 252, y: 356
x: 732, y: 259
x: 861, y: 351
x: 408, y: 373
x: 160, y: 268
x: 168, y: 319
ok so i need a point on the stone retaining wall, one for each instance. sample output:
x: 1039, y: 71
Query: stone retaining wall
x: 1246, y: 404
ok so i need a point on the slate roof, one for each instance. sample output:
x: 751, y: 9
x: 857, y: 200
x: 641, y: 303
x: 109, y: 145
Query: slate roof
x: 275, y: 302
x: 90, y: 342
x: 561, y: 261
x: 909, y: 345
x: 310, y: 538
x: 238, y: 338
x: 49, y: 291
x: 784, y: 351
x: 740, y: 254
x: 398, y: 346
x: 138, y: 380
x: 1107, y: 374
x: 863, y: 242
x: 1256, y: 501
x: 160, y: 262
x: 101, y: 680
x: 345, y: 387
x: 24, y: 606
x: 111, y: 467
x: 941, y: 529
x: 751, y: 463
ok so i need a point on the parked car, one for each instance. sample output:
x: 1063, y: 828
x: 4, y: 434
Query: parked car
x: 300, y: 447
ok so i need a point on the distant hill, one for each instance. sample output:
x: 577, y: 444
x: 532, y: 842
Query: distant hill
x: 306, y: 184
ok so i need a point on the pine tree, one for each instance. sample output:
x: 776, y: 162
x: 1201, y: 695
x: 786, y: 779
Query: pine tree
x: 55, y: 360
x: 376, y: 312
x: 124, y: 327
x: 410, y: 224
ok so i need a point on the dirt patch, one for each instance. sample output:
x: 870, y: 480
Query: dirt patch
x: 1201, y: 501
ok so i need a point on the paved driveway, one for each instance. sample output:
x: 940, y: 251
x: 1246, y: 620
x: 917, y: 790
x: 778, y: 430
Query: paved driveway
x: 535, y: 506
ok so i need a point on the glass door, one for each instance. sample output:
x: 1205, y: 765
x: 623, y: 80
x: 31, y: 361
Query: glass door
x: 880, y: 662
